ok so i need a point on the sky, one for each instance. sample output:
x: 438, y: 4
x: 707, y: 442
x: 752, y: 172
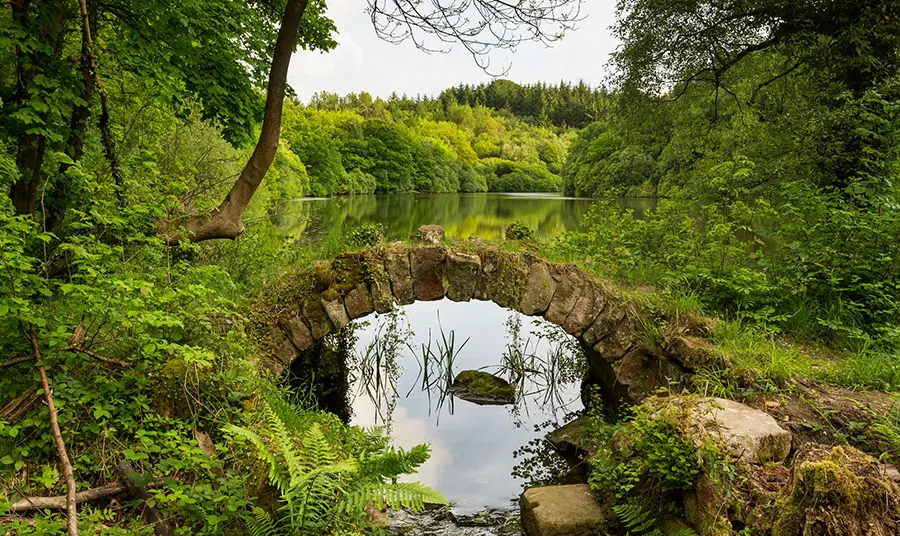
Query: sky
x: 363, y: 62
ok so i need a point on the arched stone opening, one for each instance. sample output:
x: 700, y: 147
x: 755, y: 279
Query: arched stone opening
x: 356, y: 284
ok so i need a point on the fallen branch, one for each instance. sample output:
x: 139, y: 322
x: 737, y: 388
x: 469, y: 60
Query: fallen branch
x: 18, y: 406
x: 94, y: 355
x: 68, y: 473
x: 16, y: 361
x: 94, y: 494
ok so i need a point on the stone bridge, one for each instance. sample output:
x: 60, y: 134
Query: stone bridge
x: 608, y: 326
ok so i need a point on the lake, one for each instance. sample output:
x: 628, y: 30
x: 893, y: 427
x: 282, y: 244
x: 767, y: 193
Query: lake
x: 463, y: 215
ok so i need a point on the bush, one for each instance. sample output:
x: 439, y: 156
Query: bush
x: 518, y: 231
x: 366, y: 235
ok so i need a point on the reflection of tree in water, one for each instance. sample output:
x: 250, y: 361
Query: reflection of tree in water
x: 462, y: 215
x: 538, y: 462
x: 541, y: 377
x: 376, y: 372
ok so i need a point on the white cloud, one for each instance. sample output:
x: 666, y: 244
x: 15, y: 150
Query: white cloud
x: 362, y: 62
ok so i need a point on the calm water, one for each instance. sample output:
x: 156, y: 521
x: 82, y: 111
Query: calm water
x: 462, y: 215
x: 481, y: 455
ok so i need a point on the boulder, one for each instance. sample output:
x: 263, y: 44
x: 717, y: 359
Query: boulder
x: 752, y: 435
x: 561, y: 511
x: 463, y: 275
x: 426, y: 265
x: 429, y: 234
x: 539, y: 289
x: 483, y: 388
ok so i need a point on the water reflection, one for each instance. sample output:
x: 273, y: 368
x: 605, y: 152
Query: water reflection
x: 462, y: 215
x: 405, y: 363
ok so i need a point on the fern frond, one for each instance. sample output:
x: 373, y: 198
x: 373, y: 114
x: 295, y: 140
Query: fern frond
x: 637, y: 520
x: 261, y: 524
x: 411, y: 495
x: 396, y: 462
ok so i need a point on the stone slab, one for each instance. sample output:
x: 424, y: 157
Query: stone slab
x: 539, y: 289
x: 336, y: 312
x: 396, y: 264
x: 358, y: 302
x: 561, y: 511
x: 426, y: 265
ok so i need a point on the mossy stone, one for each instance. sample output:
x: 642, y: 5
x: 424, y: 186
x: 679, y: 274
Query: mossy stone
x: 483, y: 388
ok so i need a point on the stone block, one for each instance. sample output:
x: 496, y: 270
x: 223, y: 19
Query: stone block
x: 426, y: 265
x: 336, y: 312
x: 561, y: 511
x: 463, y: 275
x: 358, y: 302
x: 396, y: 264
x: 316, y: 317
x: 587, y: 308
x: 569, y: 284
x: 296, y: 332
x: 539, y: 289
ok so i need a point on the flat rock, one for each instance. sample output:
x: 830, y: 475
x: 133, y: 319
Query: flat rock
x: 753, y: 435
x: 483, y: 388
x: 561, y: 511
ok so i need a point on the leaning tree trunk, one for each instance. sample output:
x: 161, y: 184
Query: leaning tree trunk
x: 226, y: 220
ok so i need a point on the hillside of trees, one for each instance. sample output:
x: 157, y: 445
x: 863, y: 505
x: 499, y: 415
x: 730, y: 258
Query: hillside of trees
x: 355, y: 144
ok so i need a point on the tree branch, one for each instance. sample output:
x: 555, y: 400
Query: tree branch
x: 68, y: 473
x: 94, y: 494
x: 105, y: 133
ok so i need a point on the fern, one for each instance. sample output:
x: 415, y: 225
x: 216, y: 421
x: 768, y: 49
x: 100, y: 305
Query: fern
x: 321, y: 491
x: 638, y: 521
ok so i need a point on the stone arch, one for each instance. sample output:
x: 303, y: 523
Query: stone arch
x: 359, y: 283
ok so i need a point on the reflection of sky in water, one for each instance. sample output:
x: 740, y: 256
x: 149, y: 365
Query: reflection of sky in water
x: 472, y: 446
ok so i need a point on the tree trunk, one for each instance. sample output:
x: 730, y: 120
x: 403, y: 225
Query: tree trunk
x: 29, y: 160
x: 226, y: 220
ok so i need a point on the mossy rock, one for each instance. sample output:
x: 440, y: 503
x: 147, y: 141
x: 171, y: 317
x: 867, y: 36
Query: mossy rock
x: 483, y: 388
x: 837, y: 492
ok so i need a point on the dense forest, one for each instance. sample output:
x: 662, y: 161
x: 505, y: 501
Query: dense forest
x: 145, y: 146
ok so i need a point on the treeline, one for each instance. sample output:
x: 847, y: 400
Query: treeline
x: 355, y: 144
x: 562, y: 105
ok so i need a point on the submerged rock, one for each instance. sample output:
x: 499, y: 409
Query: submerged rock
x: 482, y: 387
x: 561, y: 511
